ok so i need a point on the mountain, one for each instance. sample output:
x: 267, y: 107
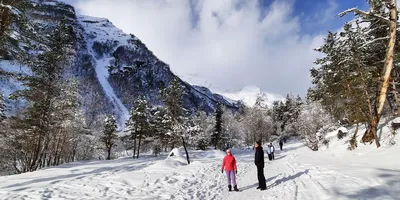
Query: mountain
x: 113, y: 68
x: 249, y: 95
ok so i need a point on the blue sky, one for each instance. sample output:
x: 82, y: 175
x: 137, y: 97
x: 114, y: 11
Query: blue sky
x: 321, y: 15
x: 229, y: 44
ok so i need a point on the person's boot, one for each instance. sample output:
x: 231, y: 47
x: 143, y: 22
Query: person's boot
x: 258, y: 187
x: 263, y: 188
x: 235, y: 188
x: 230, y: 187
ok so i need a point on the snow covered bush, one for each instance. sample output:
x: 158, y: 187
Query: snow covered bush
x: 341, y: 134
x: 156, y: 149
x: 352, y: 143
x: 312, y: 119
x: 325, y: 142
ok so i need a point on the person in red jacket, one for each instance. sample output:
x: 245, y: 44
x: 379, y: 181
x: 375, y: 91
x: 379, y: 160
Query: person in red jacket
x: 229, y: 164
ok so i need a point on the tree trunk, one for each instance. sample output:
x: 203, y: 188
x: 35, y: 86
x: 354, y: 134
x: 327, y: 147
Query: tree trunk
x: 109, y: 153
x: 357, y: 126
x: 60, y: 153
x: 187, y: 154
x: 34, y: 160
x: 138, y: 150
x: 390, y: 105
x: 396, y: 97
x: 387, y: 70
x: 56, y: 150
x: 134, y: 146
x: 355, y: 132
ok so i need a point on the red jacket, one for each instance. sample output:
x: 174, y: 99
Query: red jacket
x: 229, y: 163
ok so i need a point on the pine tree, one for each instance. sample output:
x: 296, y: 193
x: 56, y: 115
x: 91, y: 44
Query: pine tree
x: 172, y: 97
x: 161, y: 125
x: 43, y: 89
x: 68, y: 127
x: 139, y: 123
x: 381, y: 13
x: 217, y: 136
x: 109, y: 134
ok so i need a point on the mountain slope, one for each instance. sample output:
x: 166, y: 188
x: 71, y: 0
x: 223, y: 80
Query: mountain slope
x: 113, y: 68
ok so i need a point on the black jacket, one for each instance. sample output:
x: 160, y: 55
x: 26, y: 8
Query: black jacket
x: 259, y: 157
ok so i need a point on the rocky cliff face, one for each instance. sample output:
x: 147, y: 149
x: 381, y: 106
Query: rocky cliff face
x: 113, y: 68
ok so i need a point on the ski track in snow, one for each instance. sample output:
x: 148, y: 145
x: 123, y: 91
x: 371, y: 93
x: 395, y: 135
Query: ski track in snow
x: 296, y: 174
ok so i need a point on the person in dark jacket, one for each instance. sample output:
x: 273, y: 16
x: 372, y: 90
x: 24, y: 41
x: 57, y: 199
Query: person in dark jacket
x: 281, y: 144
x: 259, y: 161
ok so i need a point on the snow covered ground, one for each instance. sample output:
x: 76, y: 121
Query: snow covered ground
x: 296, y: 173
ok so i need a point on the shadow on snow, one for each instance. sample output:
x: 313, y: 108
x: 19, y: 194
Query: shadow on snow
x: 58, y: 178
x: 256, y: 184
x: 388, y: 189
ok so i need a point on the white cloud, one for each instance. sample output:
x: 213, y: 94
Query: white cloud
x: 330, y: 12
x: 230, y: 45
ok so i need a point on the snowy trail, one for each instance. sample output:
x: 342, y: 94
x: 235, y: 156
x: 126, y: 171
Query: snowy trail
x: 296, y: 173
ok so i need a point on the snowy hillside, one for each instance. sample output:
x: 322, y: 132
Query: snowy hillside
x: 113, y: 68
x: 102, y: 31
x: 296, y: 173
x: 249, y: 95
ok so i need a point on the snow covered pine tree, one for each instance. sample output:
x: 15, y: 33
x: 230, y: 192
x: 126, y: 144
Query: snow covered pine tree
x: 109, y: 138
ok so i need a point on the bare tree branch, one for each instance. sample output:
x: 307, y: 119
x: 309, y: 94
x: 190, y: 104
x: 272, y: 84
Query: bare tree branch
x: 360, y: 12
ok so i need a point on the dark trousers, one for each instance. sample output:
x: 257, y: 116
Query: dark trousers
x: 281, y: 147
x: 273, y: 155
x: 269, y: 156
x: 261, y: 177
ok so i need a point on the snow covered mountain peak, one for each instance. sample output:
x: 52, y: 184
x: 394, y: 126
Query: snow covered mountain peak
x: 112, y: 68
x: 250, y: 93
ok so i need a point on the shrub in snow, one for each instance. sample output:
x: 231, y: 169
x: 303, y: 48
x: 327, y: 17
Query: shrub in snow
x: 352, y: 143
x: 202, y: 144
x: 325, y: 142
x: 174, y: 152
x: 395, y: 125
x: 156, y: 149
x: 176, y: 158
x: 341, y: 134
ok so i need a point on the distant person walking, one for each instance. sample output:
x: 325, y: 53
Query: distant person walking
x: 259, y: 161
x: 269, y: 152
x: 229, y: 164
x: 281, y: 144
x: 272, y: 151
